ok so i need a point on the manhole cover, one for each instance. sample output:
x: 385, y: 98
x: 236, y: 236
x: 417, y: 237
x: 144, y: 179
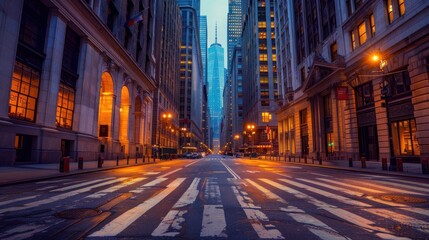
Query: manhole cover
x: 403, y: 199
x: 78, y: 213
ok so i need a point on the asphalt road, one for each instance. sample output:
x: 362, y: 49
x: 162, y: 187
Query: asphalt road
x: 217, y: 198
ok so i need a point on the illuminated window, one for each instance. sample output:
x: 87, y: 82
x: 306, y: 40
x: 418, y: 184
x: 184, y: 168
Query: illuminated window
x: 274, y: 57
x: 352, y: 35
x: 65, y: 106
x: 24, y: 92
x: 263, y: 68
x: 404, y: 138
x: 362, y: 33
x: 390, y: 10
x: 372, y: 23
x: 266, y: 117
x: 401, y: 7
x: 262, y: 24
x: 262, y: 35
x: 263, y: 80
x: 263, y: 57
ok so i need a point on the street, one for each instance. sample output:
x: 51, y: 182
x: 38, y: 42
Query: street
x: 217, y: 198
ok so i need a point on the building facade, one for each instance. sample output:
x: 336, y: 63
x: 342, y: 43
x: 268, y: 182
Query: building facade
x: 234, y: 26
x: 236, y: 76
x: 191, y: 79
x: 165, y: 127
x: 76, y: 82
x: 346, y: 102
x: 260, y: 88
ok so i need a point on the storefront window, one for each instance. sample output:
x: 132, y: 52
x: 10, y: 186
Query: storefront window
x: 404, y: 138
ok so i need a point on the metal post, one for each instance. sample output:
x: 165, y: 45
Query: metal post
x: 117, y: 160
x: 350, y: 162
x: 128, y: 160
x: 80, y: 163
x: 363, y: 162
x: 384, y: 164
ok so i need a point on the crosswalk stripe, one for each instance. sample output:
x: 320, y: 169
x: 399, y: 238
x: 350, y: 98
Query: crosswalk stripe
x: 120, y: 223
x: 395, y: 190
x: 256, y: 216
x: 235, y: 175
x: 314, y: 225
x: 115, y: 188
x: 350, y: 185
x: 425, y: 185
x: 360, y: 194
x: 364, y: 223
x: 214, y: 223
x: 59, y: 197
x: 63, y: 189
x: 148, y: 185
x: 400, y: 185
x: 18, y: 200
x: 174, y: 217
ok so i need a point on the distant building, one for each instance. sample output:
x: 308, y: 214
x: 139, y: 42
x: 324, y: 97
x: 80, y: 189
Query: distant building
x: 260, y: 88
x: 227, y: 114
x: 191, y: 79
x: 341, y: 102
x: 206, y: 111
x: 216, y: 81
x: 234, y: 26
x: 236, y: 76
x: 77, y: 80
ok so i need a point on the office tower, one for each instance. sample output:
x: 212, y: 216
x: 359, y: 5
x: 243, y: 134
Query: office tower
x: 234, y: 26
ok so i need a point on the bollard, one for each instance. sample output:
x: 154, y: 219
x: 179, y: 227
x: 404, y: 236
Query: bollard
x: 320, y: 161
x: 100, y: 162
x: 80, y: 163
x: 363, y: 162
x: 350, y: 162
x: 384, y: 164
x: 290, y: 158
x: 128, y: 160
x: 144, y: 158
x: 65, y: 164
x: 117, y: 160
x: 312, y: 159
x: 294, y: 158
x: 136, y: 158
x: 425, y: 165
x: 399, y: 165
x: 305, y: 159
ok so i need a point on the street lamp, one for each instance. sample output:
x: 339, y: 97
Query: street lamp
x: 164, y: 118
x: 385, y: 94
x: 236, y: 139
x: 251, y: 130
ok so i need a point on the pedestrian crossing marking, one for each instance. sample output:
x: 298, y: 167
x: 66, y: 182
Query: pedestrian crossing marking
x: 63, y: 189
x: 115, y: 188
x: 351, y: 185
x: 119, y: 224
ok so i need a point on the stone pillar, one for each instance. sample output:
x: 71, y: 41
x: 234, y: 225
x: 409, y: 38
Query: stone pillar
x: 10, y: 20
x: 51, y: 72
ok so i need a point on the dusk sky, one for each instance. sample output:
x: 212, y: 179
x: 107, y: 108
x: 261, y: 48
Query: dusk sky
x: 216, y: 11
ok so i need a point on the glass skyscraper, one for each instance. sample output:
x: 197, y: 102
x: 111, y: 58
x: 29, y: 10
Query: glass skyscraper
x: 234, y: 26
x: 216, y: 81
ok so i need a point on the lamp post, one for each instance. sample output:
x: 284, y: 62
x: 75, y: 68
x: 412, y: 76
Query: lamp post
x: 251, y: 130
x: 164, y: 117
x: 236, y: 139
x: 385, y: 94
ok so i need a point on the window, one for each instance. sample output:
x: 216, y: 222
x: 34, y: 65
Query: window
x: 65, y: 106
x: 390, y: 11
x: 24, y: 92
x: 303, y: 116
x: 399, y: 83
x: 362, y: 33
x: 372, y: 24
x: 364, y: 95
x: 401, y: 4
x: 404, y: 138
x: 266, y: 117
x: 352, y: 35
x: 334, y: 51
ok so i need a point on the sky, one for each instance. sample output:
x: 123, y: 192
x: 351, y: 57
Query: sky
x: 216, y: 11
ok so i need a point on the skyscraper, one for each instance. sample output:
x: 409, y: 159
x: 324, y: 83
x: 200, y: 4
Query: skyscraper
x: 260, y: 74
x: 234, y: 26
x: 191, y: 79
x: 216, y: 81
x: 203, y: 45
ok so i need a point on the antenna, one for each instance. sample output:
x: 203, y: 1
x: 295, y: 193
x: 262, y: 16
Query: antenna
x: 216, y: 33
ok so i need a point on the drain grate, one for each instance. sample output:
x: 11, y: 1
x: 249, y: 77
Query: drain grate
x: 402, y: 199
x: 78, y: 213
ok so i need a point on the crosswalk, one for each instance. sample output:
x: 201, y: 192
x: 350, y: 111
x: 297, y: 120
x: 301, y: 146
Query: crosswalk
x: 322, y: 207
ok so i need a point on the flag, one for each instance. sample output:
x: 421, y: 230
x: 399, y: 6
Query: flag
x: 267, y: 129
x: 136, y: 19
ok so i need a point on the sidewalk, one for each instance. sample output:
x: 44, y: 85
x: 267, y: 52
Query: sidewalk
x: 34, y: 172
x: 409, y: 169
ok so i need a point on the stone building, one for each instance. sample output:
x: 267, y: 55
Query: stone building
x: 76, y: 79
x: 358, y: 78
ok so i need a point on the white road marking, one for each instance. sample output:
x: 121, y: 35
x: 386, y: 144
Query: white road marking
x: 174, y: 217
x: 364, y: 223
x: 191, y: 163
x: 235, y: 175
x: 214, y: 223
x: 26, y: 231
x: 148, y: 185
x: 59, y: 197
x: 169, y: 173
x: 314, y: 225
x: 323, y: 175
x: 151, y: 173
x: 425, y: 185
x: 212, y: 191
x: 351, y: 185
x: 256, y: 217
x: 395, y: 190
x: 104, y: 192
x: 17, y: 200
x: 253, y: 171
x: 400, y: 185
x: 46, y: 188
x: 120, y: 223
x: 52, y: 181
x: 63, y: 189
